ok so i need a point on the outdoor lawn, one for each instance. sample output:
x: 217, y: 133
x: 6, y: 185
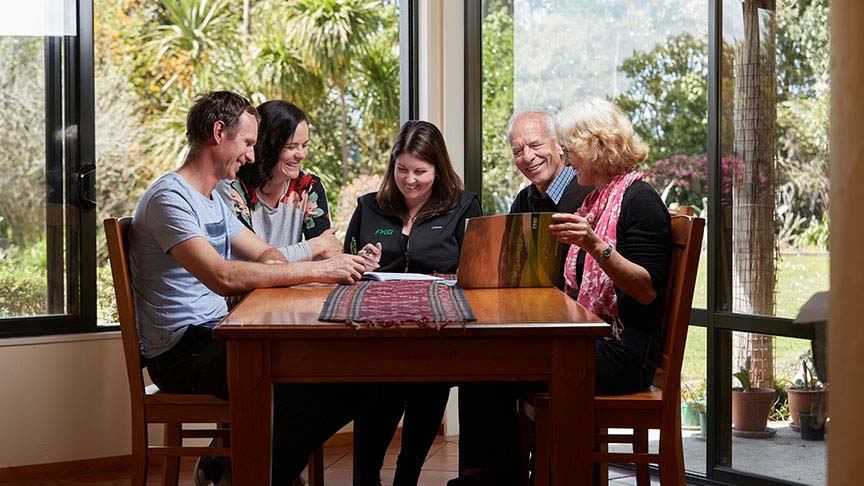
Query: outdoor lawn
x: 798, y: 277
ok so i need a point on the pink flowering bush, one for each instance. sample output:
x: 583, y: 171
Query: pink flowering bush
x: 686, y: 177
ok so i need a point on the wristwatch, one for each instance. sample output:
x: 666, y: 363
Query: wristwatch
x: 607, y: 253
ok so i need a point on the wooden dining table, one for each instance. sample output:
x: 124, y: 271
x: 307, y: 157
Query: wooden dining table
x: 521, y: 334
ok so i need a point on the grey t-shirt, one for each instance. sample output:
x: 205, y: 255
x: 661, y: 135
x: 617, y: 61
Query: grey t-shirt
x: 168, y: 298
x: 281, y: 227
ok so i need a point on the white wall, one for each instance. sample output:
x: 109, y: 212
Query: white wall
x: 63, y: 398
x: 442, y: 99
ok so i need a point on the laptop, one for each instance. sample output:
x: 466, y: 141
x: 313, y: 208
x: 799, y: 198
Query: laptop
x: 510, y: 250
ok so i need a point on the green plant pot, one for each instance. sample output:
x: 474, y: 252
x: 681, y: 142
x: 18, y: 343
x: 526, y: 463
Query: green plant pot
x: 703, y: 424
x: 689, y: 415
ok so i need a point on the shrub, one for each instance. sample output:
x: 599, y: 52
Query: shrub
x: 683, y: 179
x: 25, y: 290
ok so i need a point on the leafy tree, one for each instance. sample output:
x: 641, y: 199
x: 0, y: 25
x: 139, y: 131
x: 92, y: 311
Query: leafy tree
x: 667, y: 99
x: 334, y: 33
x: 500, y: 178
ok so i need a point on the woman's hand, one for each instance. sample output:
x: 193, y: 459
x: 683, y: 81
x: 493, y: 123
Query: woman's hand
x: 572, y: 229
x: 325, y: 245
x: 371, y: 256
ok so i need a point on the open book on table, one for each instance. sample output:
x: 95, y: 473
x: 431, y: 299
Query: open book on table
x: 389, y: 276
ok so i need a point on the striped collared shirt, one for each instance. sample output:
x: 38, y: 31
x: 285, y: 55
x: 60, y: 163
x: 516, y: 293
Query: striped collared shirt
x: 556, y: 188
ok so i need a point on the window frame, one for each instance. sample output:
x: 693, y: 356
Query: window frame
x: 74, y: 78
x: 78, y: 76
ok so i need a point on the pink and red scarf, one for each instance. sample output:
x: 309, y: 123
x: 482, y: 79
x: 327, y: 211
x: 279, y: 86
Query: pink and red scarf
x: 601, y: 208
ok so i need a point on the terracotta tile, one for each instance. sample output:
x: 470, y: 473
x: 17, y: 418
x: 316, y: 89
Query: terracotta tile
x: 440, y: 462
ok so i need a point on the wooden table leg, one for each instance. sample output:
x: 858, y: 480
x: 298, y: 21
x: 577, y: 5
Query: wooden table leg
x: 571, y: 407
x: 251, y: 402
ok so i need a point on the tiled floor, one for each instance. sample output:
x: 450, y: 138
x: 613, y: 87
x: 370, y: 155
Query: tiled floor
x: 440, y: 466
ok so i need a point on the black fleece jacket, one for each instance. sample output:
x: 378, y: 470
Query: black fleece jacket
x: 433, y: 245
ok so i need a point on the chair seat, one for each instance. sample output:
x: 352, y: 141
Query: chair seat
x: 648, y: 399
x: 185, y: 407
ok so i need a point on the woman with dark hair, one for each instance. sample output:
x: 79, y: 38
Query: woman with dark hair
x: 418, y: 217
x: 274, y: 197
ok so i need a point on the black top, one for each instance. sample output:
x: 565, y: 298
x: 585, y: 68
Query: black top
x: 530, y: 200
x: 433, y: 245
x: 644, y: 233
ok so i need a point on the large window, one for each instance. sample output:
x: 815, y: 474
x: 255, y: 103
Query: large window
x: 68, y: 164
x: 338, y: 61
x: 732, y: 97
x: 46, y: 200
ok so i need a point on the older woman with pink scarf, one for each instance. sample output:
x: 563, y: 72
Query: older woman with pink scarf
x: 617, y: 267
x: 618, y: 262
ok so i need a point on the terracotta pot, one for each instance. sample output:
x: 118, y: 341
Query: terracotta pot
x: 801, y: 400
x: 750, y: 409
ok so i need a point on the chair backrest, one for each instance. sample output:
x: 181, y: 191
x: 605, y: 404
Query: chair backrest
x: 117, y: 233
x: 686, y: 247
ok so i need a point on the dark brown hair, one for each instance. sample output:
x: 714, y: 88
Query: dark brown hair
x: 424, y: 141
x: 279, y: 120
x: 211, y: 107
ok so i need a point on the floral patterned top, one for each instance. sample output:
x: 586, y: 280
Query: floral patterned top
x: 302, y: 213
x: 316, y: 216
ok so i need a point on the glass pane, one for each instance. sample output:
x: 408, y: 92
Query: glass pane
x: 767, y: 437
x: 648, y: 57
x: 38, y: 157
x: 349, y: 91
x: 774, y: 147
x: 774, y: 144
x: 694, y: 389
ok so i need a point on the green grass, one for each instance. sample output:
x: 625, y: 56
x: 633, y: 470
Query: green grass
x: 798, y: 277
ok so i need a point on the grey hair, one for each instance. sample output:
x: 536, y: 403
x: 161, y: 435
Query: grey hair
x: 551, y: 122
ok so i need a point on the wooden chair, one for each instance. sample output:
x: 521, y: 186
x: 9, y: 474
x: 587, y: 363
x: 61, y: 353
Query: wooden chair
x: 657, y: 408
x: 149, y: 405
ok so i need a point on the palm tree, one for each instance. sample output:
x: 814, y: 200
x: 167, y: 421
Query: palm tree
x: 192, y: 32
x: 280, y: 69
x: 334, y: 34
x: 376, y: 94
x: 753, y: 240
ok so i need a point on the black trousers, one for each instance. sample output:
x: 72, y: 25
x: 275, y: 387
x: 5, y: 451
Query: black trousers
x: 423, y: 405
x: 488, y: 416
x: 304, y: 415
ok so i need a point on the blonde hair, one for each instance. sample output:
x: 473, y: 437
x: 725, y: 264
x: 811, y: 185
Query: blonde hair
x: 598, y: 132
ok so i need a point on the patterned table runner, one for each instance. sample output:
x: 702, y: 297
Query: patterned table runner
x: 426, y: 303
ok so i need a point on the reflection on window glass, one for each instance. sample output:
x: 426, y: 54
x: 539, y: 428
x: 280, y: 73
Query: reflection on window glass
x: 341, y: 68
x: 22, y: 185
x: 37, y: 156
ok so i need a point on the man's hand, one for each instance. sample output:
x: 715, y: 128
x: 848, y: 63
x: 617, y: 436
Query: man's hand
x: 371, y: 255
x: 325, y: 245
x: 345, y: 269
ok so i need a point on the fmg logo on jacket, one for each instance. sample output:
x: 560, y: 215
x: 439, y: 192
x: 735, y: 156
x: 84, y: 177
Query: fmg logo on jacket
x: 383, y: 231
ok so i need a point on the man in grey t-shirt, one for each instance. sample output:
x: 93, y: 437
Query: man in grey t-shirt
x: 188, y: 251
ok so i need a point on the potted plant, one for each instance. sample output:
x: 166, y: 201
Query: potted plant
x: 750, y: 406
x: 808, y: 394
x: 693, y: 407
x: 690, y: 407
x: 812, y: 423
